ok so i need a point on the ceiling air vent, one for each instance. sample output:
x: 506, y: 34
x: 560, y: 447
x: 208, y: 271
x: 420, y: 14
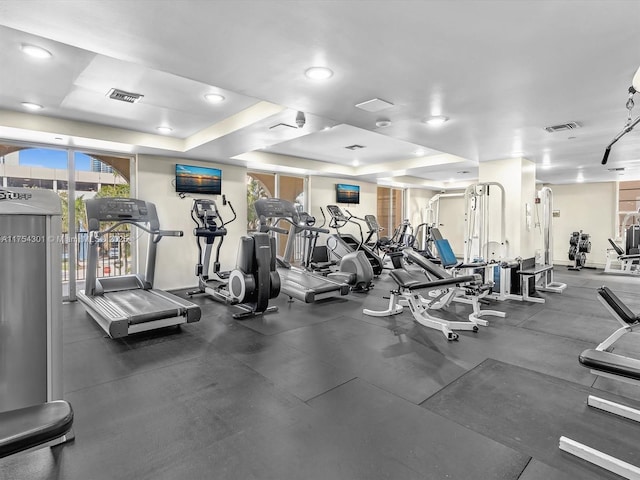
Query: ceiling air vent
x: 123, y: 96
x: 354, y: 147
x: 562, y: 127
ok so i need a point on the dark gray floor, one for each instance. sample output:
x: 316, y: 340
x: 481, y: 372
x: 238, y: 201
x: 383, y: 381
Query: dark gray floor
x: 324, y: 392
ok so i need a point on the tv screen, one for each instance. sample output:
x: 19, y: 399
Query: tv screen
x: 190, y: 179
x: 347, y: 193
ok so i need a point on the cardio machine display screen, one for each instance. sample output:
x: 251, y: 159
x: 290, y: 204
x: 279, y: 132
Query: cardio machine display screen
x: 347, y: 193
x: 191, y: 179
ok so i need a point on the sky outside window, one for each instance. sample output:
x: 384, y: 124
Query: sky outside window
x: 41, y: 157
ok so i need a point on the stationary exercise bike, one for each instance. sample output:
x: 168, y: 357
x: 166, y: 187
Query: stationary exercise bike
x: 254, y: 280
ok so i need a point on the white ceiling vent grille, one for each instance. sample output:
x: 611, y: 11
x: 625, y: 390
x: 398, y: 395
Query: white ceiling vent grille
x: 374, y: 105
x: 123, y: 96
x: 562, y: 127
x: 354, y: 147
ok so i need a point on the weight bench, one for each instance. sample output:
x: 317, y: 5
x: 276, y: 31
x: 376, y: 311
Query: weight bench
x: 604, y: 363
x: 471, y: 294
x: 35, y: 427
x: 629, y: 263
x: 410, y: 284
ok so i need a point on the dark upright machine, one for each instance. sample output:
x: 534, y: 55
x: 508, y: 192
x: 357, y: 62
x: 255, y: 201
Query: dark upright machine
x: 127, y: 304
x: 296, y: 282
x: 253, y: 282
x: 341, y: 243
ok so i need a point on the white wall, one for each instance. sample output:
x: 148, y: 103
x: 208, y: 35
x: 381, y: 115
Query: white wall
x: 452, y: 225
x: 177, y: 257
x: 517, y: 177
x: 416, y: 205
x: 589, y: 207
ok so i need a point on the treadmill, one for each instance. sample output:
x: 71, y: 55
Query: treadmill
x: 127, y: 304
x: 295, y: 282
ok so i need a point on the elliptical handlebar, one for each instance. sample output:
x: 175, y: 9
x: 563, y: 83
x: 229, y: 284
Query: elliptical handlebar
x: 228, y: 202
x: 351, y: 215
x: 339, y: 220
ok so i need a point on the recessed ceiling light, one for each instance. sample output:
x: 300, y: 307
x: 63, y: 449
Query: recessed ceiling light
x: 31, y: 106
x: 383, y: 122
x: 165, y: 130
x: 356, y: 162
x: 35, y: 52
x: 214, y: 97
x: 546, y: 166
x: 451, y: 180
x: 436, y: 120
x: 580, y: 178
x: 318, y: 73
x: 418, y: 153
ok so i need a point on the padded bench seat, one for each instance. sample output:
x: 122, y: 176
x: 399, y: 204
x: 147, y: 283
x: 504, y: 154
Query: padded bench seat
x: 29, y: 427
x: 611, y: 363
x: 618, y: 307
x: 406, y: 280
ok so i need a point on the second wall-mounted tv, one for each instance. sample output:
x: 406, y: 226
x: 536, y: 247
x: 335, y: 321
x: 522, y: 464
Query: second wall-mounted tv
x: 191, y: 179
x: 347, y: 193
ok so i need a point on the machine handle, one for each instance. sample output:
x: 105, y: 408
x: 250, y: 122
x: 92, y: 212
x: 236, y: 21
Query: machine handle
x: 266, y: 228
x: 351, y: 215
x: 169, y: 233
x: 317, y: 229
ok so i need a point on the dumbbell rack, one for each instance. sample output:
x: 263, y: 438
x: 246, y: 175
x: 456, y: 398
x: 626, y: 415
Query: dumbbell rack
x: 579, y: 246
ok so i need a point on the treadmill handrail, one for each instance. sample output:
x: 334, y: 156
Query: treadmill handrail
x: 157, y: 233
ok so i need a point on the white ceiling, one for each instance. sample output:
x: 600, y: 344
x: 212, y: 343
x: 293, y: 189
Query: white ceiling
x: 501, y: 71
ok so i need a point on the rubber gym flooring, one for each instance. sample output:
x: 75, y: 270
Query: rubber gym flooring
x: 323, y: 392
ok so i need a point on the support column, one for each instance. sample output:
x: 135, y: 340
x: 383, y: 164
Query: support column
x: 518, y: 177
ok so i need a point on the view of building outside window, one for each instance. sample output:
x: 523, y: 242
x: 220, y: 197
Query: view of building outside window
x: 48, y: 169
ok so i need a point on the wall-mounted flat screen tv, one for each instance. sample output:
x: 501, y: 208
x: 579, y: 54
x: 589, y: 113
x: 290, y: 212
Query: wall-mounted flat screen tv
x: 190, y: 179
x: 347, y: 193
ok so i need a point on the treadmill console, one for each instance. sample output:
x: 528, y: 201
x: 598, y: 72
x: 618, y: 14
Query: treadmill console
x: 117, y: 209
x: 276, y: 208
x: 336, y: 213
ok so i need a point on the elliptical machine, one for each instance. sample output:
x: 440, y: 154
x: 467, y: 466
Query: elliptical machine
x: 340, y: 244
x: 353, y: 268
x: 254, y: 280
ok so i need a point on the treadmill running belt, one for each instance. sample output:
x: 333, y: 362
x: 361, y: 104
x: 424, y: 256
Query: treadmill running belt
x: 136, y: 302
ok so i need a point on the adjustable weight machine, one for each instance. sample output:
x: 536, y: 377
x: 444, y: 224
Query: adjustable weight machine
x: 544, y: 280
